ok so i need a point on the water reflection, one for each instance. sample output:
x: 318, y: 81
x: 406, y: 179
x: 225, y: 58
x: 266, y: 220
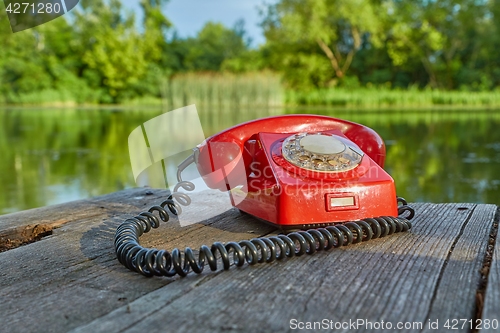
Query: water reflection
x: 52, y: 156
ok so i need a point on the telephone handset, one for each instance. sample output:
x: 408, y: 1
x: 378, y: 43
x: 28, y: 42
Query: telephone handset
x: 294, y: 171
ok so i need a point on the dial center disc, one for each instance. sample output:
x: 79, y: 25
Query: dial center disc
x: 322, y: 144
x: 321, y: 152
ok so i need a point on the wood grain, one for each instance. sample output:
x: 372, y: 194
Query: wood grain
x: 395, y: 279
x: 71, y: 279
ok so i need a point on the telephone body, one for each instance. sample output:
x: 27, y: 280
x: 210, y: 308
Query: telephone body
x: 300, y: 170
x: 294, y: 171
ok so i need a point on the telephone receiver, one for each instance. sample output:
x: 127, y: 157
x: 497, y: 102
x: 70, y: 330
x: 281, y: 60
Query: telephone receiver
x: 299, y: 170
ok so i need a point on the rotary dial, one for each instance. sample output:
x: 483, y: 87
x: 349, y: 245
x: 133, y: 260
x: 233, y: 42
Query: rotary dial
x: 322, y: 152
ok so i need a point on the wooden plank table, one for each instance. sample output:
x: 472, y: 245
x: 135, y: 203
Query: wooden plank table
x: 59, y: 273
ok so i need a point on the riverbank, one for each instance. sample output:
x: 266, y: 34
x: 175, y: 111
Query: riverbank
x: 266, y: 90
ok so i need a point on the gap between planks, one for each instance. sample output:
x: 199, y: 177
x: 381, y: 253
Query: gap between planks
x: 489, y: 292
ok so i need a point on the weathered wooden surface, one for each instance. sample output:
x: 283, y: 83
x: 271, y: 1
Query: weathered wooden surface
x: 71, y: 280
x: 492, y: 296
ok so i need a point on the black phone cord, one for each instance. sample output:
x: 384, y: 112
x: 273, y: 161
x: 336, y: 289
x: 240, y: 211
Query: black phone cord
x: 153, y: 262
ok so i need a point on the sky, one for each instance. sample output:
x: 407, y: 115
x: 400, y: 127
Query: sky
x: 189, y: 16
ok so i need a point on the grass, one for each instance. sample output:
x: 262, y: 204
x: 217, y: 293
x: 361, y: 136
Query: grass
x: 44, y: 97
x: 385, y: 98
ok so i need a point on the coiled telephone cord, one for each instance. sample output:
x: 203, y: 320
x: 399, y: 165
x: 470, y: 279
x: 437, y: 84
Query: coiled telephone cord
x: 151, y: 262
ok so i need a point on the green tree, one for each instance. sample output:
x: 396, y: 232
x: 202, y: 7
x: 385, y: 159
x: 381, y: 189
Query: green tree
x: 113, y: 57
x: 444, y: 36
x: 213, y: 45
x: 481, y: 71
x: 21, y: 70
x: 154, y: 46
x: 39, y: 61
x: 304, y: 36
x: 155, y: 25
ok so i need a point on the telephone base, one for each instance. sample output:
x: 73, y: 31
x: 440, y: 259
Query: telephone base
x: 292, y: 197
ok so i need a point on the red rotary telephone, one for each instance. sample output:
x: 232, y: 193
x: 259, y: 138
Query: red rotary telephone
x: 300, y: 170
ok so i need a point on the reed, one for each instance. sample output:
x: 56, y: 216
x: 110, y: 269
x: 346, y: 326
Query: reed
x: 223, y: 90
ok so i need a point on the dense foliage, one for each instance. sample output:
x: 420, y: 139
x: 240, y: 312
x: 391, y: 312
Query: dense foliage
x: 100, y: 53
x: 447, y: 44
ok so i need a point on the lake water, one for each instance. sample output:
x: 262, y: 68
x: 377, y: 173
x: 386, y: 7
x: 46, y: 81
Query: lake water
x: 51, y: 156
